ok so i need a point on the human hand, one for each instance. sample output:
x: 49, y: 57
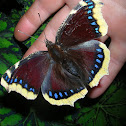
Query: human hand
x: 114, y: 12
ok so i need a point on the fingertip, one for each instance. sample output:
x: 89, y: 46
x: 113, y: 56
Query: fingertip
x: 25, y: 27
x: 100, y: 89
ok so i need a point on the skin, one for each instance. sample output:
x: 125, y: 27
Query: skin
x: 114, y: 12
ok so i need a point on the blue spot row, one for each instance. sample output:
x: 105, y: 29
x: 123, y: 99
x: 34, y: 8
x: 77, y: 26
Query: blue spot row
x: 56, y: 95
x: 20, y: 82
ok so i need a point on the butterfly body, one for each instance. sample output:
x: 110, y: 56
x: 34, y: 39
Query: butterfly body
x: 60, y: 56
x: 76, y: 60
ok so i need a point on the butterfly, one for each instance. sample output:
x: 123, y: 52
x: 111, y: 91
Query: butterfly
x: 76, y: 61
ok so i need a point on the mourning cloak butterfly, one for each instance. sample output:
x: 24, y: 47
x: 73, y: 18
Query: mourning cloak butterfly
x: 75, y: 61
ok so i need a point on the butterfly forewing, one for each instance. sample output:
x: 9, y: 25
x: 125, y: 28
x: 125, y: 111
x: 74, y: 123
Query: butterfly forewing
x: 27, y: 75
x: 85, y: 22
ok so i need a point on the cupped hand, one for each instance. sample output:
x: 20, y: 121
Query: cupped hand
x: 114, y: 12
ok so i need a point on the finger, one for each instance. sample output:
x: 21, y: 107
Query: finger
x: 50, y: 30
x: 30, y: 21
x: 117, y: 60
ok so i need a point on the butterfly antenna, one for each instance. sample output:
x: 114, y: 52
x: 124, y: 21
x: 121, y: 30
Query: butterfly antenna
x: 29, y: 36
x: 39, y: 17
x: 45, y: 40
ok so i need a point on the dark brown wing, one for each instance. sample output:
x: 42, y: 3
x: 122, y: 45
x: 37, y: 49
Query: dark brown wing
x: 27, y: 75
x: 85, y: 22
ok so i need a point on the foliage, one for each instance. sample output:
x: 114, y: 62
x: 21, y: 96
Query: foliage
x: 109, y: 109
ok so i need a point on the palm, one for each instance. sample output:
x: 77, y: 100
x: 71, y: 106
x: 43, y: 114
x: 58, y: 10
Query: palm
x: 114, y: 12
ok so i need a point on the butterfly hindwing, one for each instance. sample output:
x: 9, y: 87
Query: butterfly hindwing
x: 62, y: 88
x: 85, y: 22
x: 26, y: 76
x: 93, y: 57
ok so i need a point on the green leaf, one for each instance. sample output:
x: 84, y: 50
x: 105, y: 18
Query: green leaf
x: 11, y: 58
x: 109, y: 110
x: 3, y: 67
x: 3, y: 25
x: 2, y: 91
x: 11, y: 120
x: 4, y: 43
x: 4, y: 111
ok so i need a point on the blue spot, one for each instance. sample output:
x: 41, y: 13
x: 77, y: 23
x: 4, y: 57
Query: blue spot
x: 90, y: 17
x: 89, y: 11
x: 20, y: 81
x: 50, y: 93
x: 90, y: 7
x: 26, y: 86
x: 96, y: 66
x: 55, y: 95
x: 30, y: 89
x: 33, y: 89
x: 97, y: 60
x: 99, y: 50
x: 87, y: 1
x: 66, y: 93
x: 100, y: 56
x: 96, y: 29
x: 11, y: 80
x: 90, y: 3
x: 92, y: 71
x: 15, y: 80
x: 89, y: 78
x: 71, y: 91
x: 8, y: 80
x: 60, y: 94
x: 81, y: 88
x: 93, y: 23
